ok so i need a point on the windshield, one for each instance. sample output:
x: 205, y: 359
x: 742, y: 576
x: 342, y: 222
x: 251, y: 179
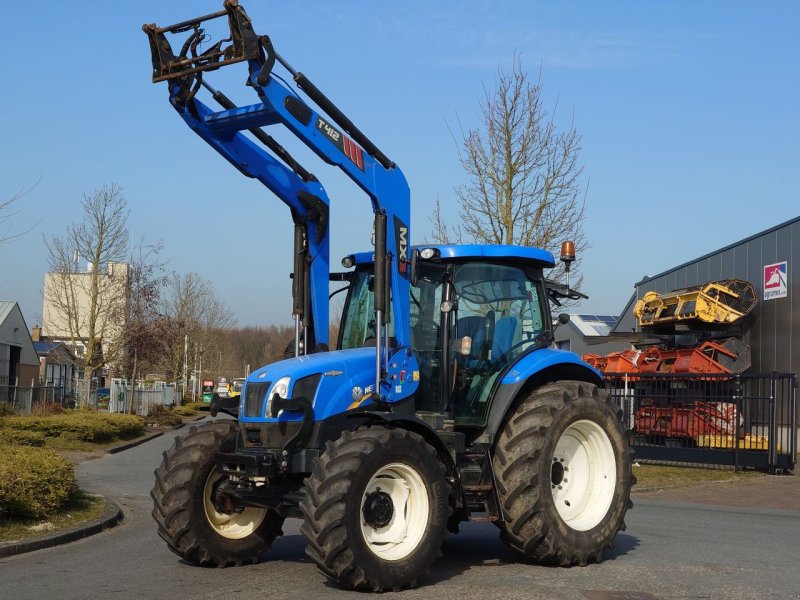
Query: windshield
x: 359, y: 313
x: 498, y: 308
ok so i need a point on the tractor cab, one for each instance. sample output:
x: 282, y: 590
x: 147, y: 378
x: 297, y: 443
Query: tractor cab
x: 475, y: 310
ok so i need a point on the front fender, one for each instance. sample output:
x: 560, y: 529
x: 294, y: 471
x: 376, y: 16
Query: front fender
x: 447, y: 446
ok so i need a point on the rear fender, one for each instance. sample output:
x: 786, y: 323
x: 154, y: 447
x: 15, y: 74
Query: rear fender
x: 531, y: 371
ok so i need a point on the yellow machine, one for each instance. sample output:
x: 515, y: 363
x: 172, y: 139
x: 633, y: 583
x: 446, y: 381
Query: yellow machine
x: 719, y: 302
x: 236, y: 387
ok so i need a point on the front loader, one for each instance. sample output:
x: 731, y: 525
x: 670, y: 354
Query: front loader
x: 444, y: 402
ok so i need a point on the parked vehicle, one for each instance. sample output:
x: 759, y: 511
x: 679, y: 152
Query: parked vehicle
x: 236, y: 387
x: 223, y: 387
x: 209, y: 387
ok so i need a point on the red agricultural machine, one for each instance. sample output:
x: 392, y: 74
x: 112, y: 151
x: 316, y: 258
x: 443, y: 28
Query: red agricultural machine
x: 686, y: 410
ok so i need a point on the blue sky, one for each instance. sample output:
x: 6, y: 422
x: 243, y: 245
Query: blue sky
x: 688, y: 112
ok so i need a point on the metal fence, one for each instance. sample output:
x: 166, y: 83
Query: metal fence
x: 120, y: 397
x: 23, y: 399
x: 140, y: 398
x: 745, y: 420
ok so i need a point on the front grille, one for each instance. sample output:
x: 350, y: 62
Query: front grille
x: 254, y: 394
x: 306, y: 387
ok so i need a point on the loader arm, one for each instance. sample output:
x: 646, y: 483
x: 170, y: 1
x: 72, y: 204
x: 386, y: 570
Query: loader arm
x: 329, y: 134
x: 309, y: 205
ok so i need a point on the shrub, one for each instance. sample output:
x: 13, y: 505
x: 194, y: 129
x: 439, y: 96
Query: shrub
x: 42, y: 409
x: 163, y: 415
x: 81, y: 425
x: 34, y: 482
x: 6, y: 409
x: 13, y: 437
x: 185, y: 411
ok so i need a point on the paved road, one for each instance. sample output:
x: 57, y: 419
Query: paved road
x: 672, y: 550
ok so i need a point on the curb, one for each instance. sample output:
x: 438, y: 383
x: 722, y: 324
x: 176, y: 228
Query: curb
x: 112, y: 515
x: 147, y: 438
x: 134, y: 443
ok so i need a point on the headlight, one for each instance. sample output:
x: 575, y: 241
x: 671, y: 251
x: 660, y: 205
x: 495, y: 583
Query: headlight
x: 281, y: 388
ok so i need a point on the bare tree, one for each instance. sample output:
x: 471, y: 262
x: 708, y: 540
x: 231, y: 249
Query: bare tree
x: 144, y: 344
x: 5, y: 218
x: 192, y: 314
x: 7, y: 212
x: 524, y: 173
x: 88, y: 308
x: 236, y: 348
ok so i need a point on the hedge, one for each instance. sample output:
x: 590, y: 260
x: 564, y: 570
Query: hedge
x: 80, y: 425
x: 34, y: 482
x: 14, y: 437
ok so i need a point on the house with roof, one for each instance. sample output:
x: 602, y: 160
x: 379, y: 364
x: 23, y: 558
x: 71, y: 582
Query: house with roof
x: 19, y: 364
x: 57, y: 362
x: 588, y: 334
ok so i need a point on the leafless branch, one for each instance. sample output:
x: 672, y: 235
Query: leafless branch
x: 523, y: 173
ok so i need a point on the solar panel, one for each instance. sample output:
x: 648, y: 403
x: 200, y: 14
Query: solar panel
x: 598, y: 325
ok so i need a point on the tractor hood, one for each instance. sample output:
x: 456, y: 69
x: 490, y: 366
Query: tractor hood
x: 342, y: 377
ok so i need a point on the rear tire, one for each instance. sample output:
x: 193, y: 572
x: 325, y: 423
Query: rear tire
x: 376, y: 509
x: 563, y: 472
x: 183, y: 504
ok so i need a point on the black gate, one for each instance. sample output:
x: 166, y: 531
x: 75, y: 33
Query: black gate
x: 738, y: 420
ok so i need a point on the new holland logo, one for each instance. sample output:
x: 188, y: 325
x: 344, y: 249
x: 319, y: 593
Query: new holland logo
x: 359, y: 392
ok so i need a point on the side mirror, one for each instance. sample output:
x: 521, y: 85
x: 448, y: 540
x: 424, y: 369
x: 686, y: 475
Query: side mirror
x: 562, y: 319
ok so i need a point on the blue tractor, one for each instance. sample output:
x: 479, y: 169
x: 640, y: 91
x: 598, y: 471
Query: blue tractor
x: 444, y: 401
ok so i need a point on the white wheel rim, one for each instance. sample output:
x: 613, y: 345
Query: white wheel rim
x: 233, y: 526
x: 410, y: 512
x: 583, y: 475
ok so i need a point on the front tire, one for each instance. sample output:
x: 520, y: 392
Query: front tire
x: 376, y: 509
x: 183, y: 503
x: 563, y: 471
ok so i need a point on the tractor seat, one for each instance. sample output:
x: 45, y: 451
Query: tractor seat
x: 506, y: 334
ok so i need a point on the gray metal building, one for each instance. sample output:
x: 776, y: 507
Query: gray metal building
x: 770, y: 261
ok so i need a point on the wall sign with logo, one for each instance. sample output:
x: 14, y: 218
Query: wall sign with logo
x: 776, y: 280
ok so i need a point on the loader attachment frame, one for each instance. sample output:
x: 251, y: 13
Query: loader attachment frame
x: 242, y: 45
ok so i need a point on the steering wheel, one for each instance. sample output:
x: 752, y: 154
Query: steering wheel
x: 468, y: 292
